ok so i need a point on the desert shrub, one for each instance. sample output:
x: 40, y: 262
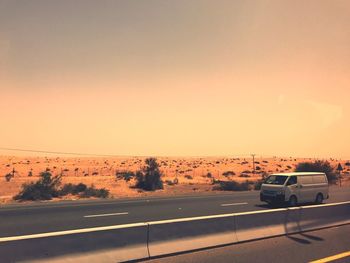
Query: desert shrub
x: 44, y: 189
x: 126, y: 175
x: 94, y: 192
x: 80, y: 188
x: 257, y: 184
x: 244, y: 175
x: 214, y: 181
x: 169, y: 182
x: 347, y: 164
x: 73, y: 189
x: 209, y: 175
x: 246, y: 172
x: 30, y: 173
x: 318, y: 166
x: 8, y: 177
x: 258, y: 168
x: 47, y: 187
x: 228, y: 173
x: 174, y: 182
x: 67, y: 189
x: 149, y: 178
x: 189, y: 177
x: 231, y: 186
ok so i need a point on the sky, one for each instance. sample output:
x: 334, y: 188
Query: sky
x: 176, y: 78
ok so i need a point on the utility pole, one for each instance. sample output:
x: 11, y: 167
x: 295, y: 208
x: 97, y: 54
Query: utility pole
x: 253, y: 155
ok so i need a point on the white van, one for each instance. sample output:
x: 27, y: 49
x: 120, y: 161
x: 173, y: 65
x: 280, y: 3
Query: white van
x: 295, y: 188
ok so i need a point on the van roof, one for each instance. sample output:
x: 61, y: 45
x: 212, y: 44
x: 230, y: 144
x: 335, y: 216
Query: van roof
x: 299, y: 173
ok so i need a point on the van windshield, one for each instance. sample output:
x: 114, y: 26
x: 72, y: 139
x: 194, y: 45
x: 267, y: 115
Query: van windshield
x: 276, y: 179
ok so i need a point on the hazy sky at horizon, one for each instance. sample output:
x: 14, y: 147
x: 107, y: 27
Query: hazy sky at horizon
x: 182, y: 77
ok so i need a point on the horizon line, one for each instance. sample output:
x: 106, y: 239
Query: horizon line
x: 76, y: 154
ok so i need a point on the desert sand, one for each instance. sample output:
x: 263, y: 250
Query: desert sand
x: 192, y: 173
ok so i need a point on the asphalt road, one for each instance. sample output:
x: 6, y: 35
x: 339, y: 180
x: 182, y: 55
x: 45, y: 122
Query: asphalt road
x: 36, y: 218
x: 305, y: 247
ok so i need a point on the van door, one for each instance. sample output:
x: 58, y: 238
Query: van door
x: 292, y: 188
x: 305, y: 185
x: 320, y: 185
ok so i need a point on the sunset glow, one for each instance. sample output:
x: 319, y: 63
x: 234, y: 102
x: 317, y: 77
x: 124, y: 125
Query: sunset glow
x: 179, y: 78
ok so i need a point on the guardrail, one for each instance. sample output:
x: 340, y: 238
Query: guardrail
x: 151, y: 239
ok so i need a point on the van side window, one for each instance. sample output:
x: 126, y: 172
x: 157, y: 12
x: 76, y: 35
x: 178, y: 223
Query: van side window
x: 292, y: 180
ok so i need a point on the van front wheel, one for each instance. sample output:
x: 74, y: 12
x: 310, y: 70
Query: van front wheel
x: 293, y: 201
x: 319, y: 199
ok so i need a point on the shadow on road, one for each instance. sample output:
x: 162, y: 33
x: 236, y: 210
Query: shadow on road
x: 306, y: 238
x: 299, y: 240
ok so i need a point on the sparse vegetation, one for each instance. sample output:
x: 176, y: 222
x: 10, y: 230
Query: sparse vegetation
x: 8, y: 177
x: 169, y: 182
x: 73, y: 189
x: 125, y: 175
x: 47, y: 187
x: 149, y: 178
x: 228, y: 173
x: 94, y: 192
x: 318, y: 166
x: 130, y: 178
x: 44, y: 189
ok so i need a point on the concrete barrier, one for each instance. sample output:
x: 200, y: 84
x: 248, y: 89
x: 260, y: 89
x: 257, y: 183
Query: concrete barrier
x: 320, y: 216
x: 114, y: 244
x: 172, y: 236
x: 180, y: 235
x: 262, y: 224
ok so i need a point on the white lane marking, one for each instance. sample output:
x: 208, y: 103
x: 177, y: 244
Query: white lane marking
x: 112, y: 214
x: 185, y: 219
x: 245, y: 203
x: 112, y: 202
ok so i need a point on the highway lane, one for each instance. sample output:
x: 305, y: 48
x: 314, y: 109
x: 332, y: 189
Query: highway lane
x: 47, y: 217
x: 305, y: 247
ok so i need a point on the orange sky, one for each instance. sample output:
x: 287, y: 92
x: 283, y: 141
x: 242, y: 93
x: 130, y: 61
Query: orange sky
x: 176, y: 77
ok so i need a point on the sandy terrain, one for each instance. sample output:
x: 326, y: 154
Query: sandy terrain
x: 192, y: 173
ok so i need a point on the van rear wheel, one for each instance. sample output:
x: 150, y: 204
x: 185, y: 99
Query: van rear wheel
x: 319, y: 199
x: 293, y: 201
